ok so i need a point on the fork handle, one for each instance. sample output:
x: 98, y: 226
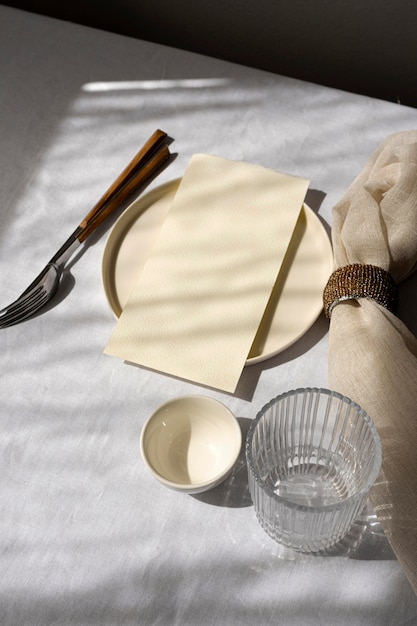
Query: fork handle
x: 138, y: 161
x: 126, y: 186
x: 142, y: 167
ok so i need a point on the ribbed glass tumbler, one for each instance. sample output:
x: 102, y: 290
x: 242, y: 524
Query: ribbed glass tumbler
x: 312, y: 457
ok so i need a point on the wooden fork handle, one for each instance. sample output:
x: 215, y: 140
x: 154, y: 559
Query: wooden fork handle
x: 137, y: 163
x: 125, y: 187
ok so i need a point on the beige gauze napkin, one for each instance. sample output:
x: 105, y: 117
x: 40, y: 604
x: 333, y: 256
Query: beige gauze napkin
x: 372, y: 354
x: 198, y: 303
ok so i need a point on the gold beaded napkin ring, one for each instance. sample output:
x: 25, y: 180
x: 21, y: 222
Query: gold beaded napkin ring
x: 358, y: 280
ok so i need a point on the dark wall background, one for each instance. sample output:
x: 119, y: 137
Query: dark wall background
x: 363, y: 46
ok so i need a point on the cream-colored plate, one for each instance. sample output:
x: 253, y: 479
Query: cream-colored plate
x: 296, y: 300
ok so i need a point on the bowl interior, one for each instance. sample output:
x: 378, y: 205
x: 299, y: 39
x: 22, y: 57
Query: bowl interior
x: 191, y: 441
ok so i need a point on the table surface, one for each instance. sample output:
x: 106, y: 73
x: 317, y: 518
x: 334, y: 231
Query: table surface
x: 87, y: 535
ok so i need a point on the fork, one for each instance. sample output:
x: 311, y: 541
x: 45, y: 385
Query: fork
x: 150, y: 158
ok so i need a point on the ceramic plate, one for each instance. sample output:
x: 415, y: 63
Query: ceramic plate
x: 295, y: 302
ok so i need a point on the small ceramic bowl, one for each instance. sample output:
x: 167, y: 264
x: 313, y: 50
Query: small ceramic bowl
x: 191, y: 443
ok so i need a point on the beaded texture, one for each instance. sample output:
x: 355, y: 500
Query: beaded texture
x: 351, y: 282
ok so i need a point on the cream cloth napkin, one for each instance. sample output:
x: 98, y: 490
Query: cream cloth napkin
x: 198, y: 303
x: 372, y: 355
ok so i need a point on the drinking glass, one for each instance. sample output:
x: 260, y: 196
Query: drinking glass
x: 312, y: 457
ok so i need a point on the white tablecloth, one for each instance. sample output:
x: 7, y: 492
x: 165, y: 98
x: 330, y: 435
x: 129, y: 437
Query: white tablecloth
x: 87, y: 536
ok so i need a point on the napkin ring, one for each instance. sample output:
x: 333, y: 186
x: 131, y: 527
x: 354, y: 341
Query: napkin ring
x: 351, y: 282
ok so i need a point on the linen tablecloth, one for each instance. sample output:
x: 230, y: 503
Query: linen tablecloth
x: 87, y: 536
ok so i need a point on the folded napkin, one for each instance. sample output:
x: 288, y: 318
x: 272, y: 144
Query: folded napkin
x: 197, y: 305
x: 372, y: 355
